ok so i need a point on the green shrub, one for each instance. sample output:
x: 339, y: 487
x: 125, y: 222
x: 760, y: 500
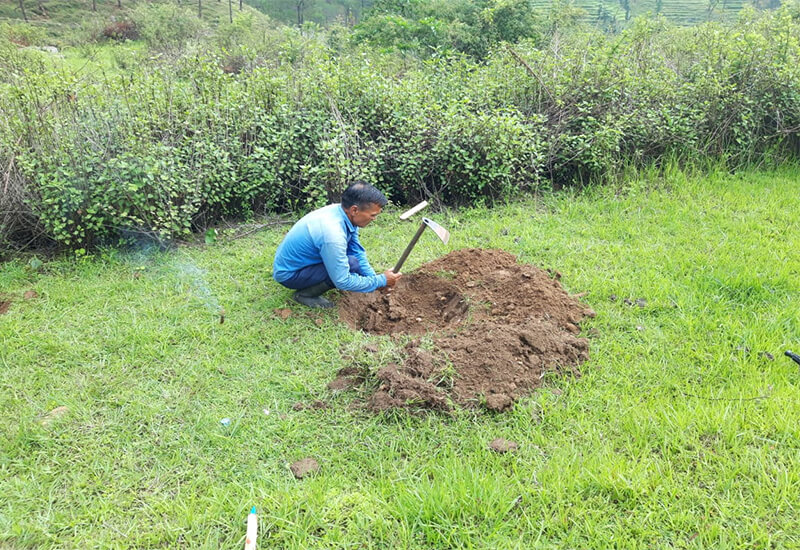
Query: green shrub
x: 165, y: 26
x: 24, y: 34
x: 121, y: 30
x: 177, y: 143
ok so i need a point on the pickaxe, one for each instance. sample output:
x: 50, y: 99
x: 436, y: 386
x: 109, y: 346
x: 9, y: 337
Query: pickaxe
x: 440, y: 231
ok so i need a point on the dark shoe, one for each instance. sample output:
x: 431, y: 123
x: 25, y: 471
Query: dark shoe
x: 312, y: 296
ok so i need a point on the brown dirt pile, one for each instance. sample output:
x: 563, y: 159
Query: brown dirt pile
x: 496, y: 327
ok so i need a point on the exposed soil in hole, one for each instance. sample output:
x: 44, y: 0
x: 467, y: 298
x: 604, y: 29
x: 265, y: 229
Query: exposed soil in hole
x: 420, y: 303
x: 495, y: 326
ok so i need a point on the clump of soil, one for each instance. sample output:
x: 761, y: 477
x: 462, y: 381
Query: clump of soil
x: 347, y: 378
x: 304, y: 467
x: 503, y: 446
x: 495, y: 326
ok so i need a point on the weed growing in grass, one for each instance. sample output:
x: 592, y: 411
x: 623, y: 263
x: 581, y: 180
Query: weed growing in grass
x: 446, y: 274
x: 446, y: 376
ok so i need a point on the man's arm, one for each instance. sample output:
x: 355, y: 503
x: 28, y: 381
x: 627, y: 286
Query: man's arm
x: 334, y: 256
x: 355, y: 249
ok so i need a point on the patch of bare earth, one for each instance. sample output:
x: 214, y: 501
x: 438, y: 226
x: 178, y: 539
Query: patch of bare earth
x: 496, y: 326
x: 304, y: 467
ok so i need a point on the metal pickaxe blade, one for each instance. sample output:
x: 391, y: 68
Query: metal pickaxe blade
x: 440, y: 231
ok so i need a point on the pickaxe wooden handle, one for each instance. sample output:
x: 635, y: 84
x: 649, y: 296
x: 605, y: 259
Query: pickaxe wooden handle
x: 440, y: 231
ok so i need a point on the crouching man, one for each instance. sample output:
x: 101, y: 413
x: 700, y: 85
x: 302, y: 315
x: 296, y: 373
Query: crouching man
x: 322, y: 251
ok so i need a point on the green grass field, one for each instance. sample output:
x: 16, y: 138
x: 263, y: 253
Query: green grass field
x: 681, y: 433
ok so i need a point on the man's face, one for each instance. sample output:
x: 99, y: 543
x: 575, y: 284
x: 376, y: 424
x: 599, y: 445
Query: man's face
x: 362, y: 217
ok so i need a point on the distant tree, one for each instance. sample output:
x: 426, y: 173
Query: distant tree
x: 94, y: 5
x: 659, y: 6
x: 626, y: 5
x: 508, y: 20
x: 22, y: 7
x: 302, y: 6
x: 230, y: 10
x: 399, y: 7
x: 200, y: 8
x: 358, y: 8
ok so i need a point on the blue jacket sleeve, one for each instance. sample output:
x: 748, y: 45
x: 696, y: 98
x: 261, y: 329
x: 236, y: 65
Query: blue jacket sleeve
x: 334, y: 256
x: 355, y: 249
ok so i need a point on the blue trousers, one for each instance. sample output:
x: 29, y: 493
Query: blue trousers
x: 315, y: 274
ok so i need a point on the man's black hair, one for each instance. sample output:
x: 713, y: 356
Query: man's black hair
x: 362, y: 195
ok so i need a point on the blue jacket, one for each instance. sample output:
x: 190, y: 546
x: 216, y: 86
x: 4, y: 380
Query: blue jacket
x: 326, y: 236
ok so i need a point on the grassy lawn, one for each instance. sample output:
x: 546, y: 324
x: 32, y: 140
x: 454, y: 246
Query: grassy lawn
x: 682, y: 432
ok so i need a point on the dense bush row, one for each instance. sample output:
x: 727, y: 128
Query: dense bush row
x: 281, y: 120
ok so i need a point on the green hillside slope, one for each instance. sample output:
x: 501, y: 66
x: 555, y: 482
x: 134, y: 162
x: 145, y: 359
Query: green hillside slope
x: 59, y: 17
x: 683, y: 12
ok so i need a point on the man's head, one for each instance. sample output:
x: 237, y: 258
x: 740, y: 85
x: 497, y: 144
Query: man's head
x: 362, y: 203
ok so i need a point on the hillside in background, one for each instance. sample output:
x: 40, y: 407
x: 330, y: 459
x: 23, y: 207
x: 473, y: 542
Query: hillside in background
x: 60, y: 18
x: 323, y: 12
x: 681, y: 12
x: 604, y: 12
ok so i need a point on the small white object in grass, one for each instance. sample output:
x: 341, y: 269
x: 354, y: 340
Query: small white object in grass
x: 266, y: 411
x: 225, y: 421
x: 252, y: 530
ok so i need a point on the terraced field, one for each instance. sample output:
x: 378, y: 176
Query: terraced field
x: 684, y: 12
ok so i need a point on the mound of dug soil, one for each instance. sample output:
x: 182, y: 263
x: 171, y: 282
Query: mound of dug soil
x: 496, y: 327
